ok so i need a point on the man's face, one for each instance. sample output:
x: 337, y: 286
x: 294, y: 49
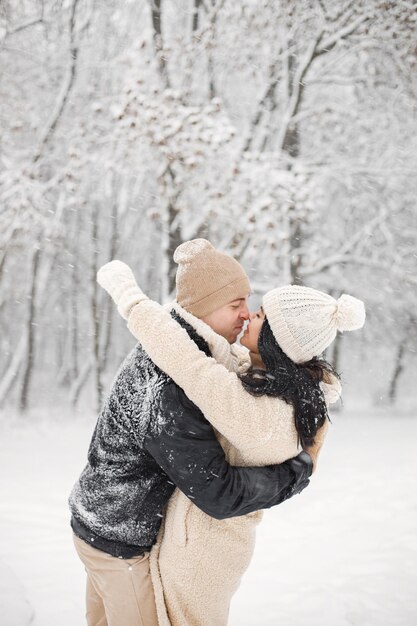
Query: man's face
x: 229, y: 319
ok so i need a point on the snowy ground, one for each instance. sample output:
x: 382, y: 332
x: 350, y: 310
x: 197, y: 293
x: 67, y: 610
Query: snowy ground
x: 343, y: 553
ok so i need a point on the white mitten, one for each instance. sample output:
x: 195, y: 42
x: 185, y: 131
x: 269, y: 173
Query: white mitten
x: 119, y: 281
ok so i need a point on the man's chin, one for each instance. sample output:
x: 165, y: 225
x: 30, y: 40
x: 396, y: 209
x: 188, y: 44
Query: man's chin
x: 238, y: 335
x: 233, y: 336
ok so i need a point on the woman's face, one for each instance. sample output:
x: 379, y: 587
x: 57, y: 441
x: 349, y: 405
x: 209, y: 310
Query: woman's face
x: 250, y: 337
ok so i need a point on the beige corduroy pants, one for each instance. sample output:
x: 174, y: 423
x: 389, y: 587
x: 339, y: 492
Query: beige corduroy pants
x: 119, y: 591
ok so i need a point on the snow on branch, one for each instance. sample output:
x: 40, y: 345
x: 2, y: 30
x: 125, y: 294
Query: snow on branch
x: 343, y: 33
x: 297, y: 87
x: 19, y: 29
x: 346, y: 253
x: 66, y: 86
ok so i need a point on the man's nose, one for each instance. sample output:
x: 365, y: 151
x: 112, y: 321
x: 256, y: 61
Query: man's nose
x: 244, y: 313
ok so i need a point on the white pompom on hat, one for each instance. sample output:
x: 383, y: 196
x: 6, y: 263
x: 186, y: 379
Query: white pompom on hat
x: 207, y: 279
x: 350, y: 313
x: 305, y: 321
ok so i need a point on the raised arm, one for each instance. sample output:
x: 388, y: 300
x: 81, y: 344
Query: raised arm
x: 246, y: 421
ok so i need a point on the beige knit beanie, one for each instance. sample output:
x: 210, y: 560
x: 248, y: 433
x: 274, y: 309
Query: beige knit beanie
x: 305, y: 321
x: 206, y: 278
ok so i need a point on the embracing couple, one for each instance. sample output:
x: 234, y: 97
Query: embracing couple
x: 199, y: 434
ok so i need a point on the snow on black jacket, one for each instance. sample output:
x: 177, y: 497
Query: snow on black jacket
x: 150, y: 438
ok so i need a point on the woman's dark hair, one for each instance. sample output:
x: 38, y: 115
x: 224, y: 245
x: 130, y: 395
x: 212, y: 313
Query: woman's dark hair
x: 297, y: 384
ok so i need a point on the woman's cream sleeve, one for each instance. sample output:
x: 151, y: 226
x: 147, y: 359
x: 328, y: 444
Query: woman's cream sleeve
x: 243, y: 419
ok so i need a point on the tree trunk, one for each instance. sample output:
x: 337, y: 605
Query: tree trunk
x: 31, y: 324
x: 75, y: 285
x: 95, y: 317
x: 5, y: 250
x: 114, y: 237
x: 337, y: 344
x: 68, y: 354
x: 80, y: 382
x: 398, y: 368
x: 295, y: 257
x: 158, y: 40
x: 63, y: 97
x: 62, y: 349
x: 197, y: 4
x: 291, y: 145
x: 75, y: 289
x: 10, y: 376
x: 291, y: 142
x: 171, y: 231
x: 174, y: 240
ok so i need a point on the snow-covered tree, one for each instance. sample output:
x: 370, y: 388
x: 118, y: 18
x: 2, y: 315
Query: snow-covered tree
x: 283, y: 131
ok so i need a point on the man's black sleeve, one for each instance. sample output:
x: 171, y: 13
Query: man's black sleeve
x: 186, y: 448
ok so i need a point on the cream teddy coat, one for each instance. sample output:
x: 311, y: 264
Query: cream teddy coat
x: 198, y: 561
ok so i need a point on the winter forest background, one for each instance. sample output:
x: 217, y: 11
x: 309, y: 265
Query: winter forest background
x: 284, y: 132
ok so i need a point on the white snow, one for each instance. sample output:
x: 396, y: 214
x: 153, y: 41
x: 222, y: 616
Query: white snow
x: 343, y: 553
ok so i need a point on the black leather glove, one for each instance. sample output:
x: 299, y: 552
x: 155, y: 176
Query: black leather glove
x: 302, y: 466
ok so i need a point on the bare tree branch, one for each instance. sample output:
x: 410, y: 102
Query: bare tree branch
x: 338, y: 80
x: 66, y: 87
x: 346, y: 251
x: 19, y: 29
x: 272, y: 84
x: 343, y: 33
x: 297, y: 88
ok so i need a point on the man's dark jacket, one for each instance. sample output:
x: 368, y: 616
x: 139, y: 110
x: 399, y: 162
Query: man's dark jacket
x: 150, y: 438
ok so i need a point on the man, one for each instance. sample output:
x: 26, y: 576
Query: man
x: 150, y: 438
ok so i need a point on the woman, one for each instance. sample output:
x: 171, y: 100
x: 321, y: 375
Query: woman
x: 277, y: 401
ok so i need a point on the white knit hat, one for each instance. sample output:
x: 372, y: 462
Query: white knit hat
x: 305, y: 321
